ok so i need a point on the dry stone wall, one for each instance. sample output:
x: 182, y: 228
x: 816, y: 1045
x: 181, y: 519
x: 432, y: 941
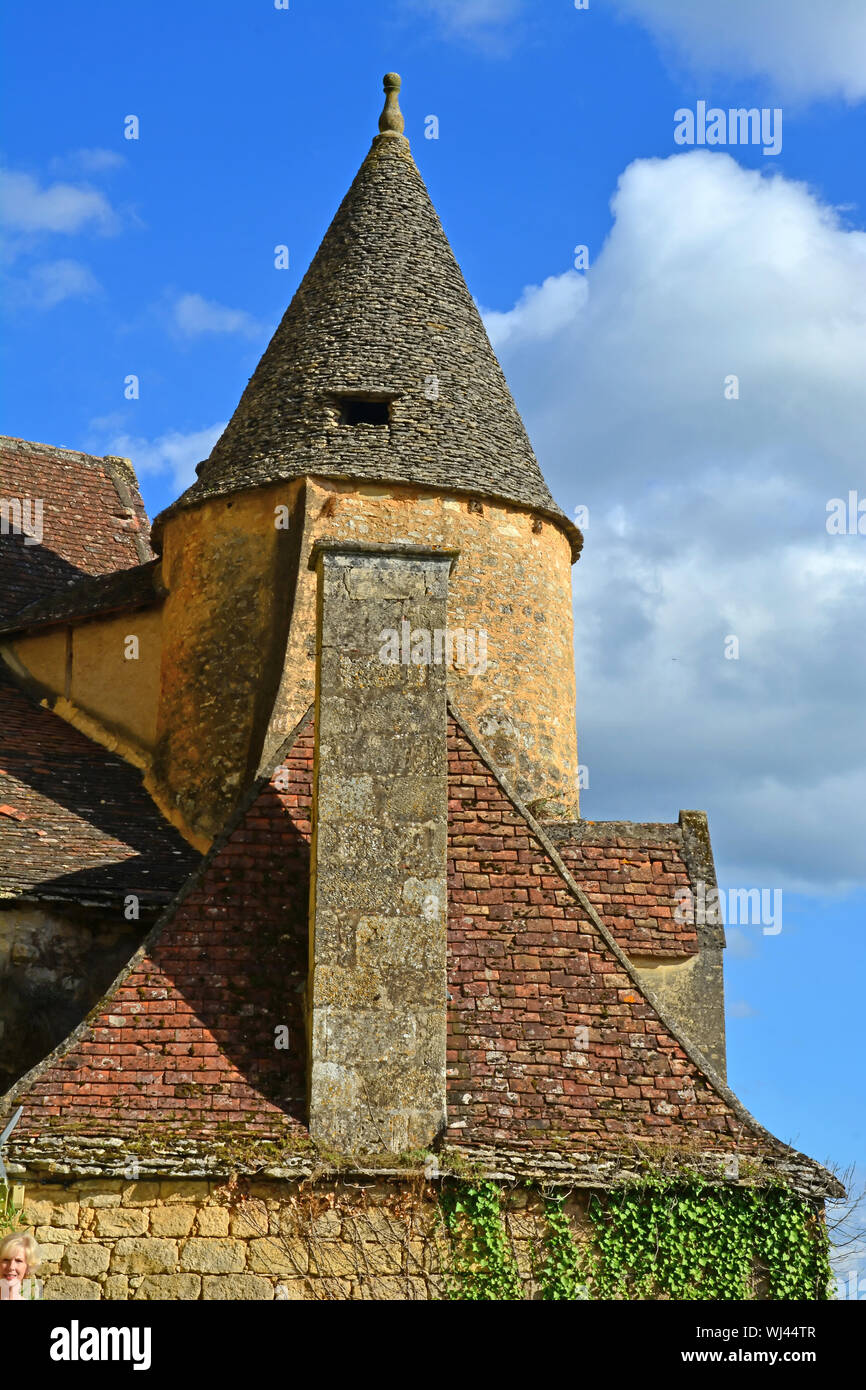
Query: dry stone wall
x: 111, y: 1239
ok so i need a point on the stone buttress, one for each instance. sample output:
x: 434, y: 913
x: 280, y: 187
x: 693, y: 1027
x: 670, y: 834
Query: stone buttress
x: 378, y: 893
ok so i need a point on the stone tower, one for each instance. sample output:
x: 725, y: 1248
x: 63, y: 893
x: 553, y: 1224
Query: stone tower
x: 378, y: 413
x: 399, y: 961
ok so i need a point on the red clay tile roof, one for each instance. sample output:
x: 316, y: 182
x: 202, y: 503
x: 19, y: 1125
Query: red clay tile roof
x: 632, y: 874
x: 556, y: 1053
x: 530, y: 973
x: 554, y: 1045
x: 76, y: 824
x: 187, y: 1037
x: 93, y: 520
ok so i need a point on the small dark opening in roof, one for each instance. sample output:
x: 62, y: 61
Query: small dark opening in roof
x: 356, y: 411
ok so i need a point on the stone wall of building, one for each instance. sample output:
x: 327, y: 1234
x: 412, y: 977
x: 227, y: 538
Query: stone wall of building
x: 141, y: 1240
x: 377, y: 983
x: 54, y: 965
x: 239, y: 630
x: 89, y: 675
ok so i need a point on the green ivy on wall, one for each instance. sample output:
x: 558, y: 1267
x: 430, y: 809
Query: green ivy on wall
x: 658, y: 1238
x: 483, y: 1265
x: 654, y: 1238
x: 562, y: 1271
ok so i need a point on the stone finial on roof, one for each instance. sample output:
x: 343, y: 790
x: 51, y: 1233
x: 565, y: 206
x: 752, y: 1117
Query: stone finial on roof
x: 391, y: 120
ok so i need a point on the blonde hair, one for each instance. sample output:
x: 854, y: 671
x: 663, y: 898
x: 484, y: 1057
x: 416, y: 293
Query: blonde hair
x: 27, y: 1244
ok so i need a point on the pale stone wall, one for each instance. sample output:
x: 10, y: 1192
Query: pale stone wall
x: 229, y: 572
x: 110, y: 1239
x: 240, y: 621
x: 692, y: 992
x: 378, y: 981
x: 43, y: 656
x: 87, y: 679
x: 122, y: 693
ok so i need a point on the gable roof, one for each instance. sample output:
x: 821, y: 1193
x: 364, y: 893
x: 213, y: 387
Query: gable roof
x: 93, y: 520
x: 180, y: 1055
x: 178, y: 1062
x: 383, y: 311
x: 563, y: 1055
x: 76, y: 824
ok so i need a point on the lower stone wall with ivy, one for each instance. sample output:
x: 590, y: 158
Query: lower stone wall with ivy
x: 410, y: 1238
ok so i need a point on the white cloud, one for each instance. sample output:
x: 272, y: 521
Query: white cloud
x: 741, y: 946
x: 540, y: 312
x: 173, y: 455
x: 192, y: 316
x: 806, y: 48
x: 31, y: 213
x: 87, y: 161
x: 707, y: 515
x: 484, y: 22
x: 54, y: 281
x: 26, y: 206
x: 738, y: 1008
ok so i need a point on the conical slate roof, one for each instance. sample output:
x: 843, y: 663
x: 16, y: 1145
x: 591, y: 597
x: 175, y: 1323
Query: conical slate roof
x: 383, y: 313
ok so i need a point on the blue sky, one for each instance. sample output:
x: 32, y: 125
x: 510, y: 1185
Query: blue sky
x: 155, y: 257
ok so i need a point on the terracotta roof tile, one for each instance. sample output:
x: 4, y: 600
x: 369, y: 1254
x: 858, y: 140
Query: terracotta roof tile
x: 555, y: 1049
x: 92, y: 520
x: 187, y: 1035
x: 633, y: 874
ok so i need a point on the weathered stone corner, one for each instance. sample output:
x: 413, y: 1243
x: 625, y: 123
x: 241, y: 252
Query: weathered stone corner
x: 378, y: 894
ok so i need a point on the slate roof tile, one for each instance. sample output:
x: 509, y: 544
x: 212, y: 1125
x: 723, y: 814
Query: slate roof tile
x: 383, y: 312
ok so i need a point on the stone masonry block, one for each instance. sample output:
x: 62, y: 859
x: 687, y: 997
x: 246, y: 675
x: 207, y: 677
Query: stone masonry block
x: 87, y: 1260
x: 183, y: 1287
x: 235, y: 1287
x: 175, y: 1220
x: 202, y: 1255
x: 121, y: 1221
x: 61, y: 1288
x: 212, y: 1221
x: 132, y: 1255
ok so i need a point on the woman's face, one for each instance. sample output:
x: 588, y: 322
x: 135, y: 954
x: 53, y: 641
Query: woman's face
x: 13, y: 1266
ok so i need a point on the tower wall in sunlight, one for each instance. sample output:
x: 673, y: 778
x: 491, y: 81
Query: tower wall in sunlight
x: 238, y: 667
